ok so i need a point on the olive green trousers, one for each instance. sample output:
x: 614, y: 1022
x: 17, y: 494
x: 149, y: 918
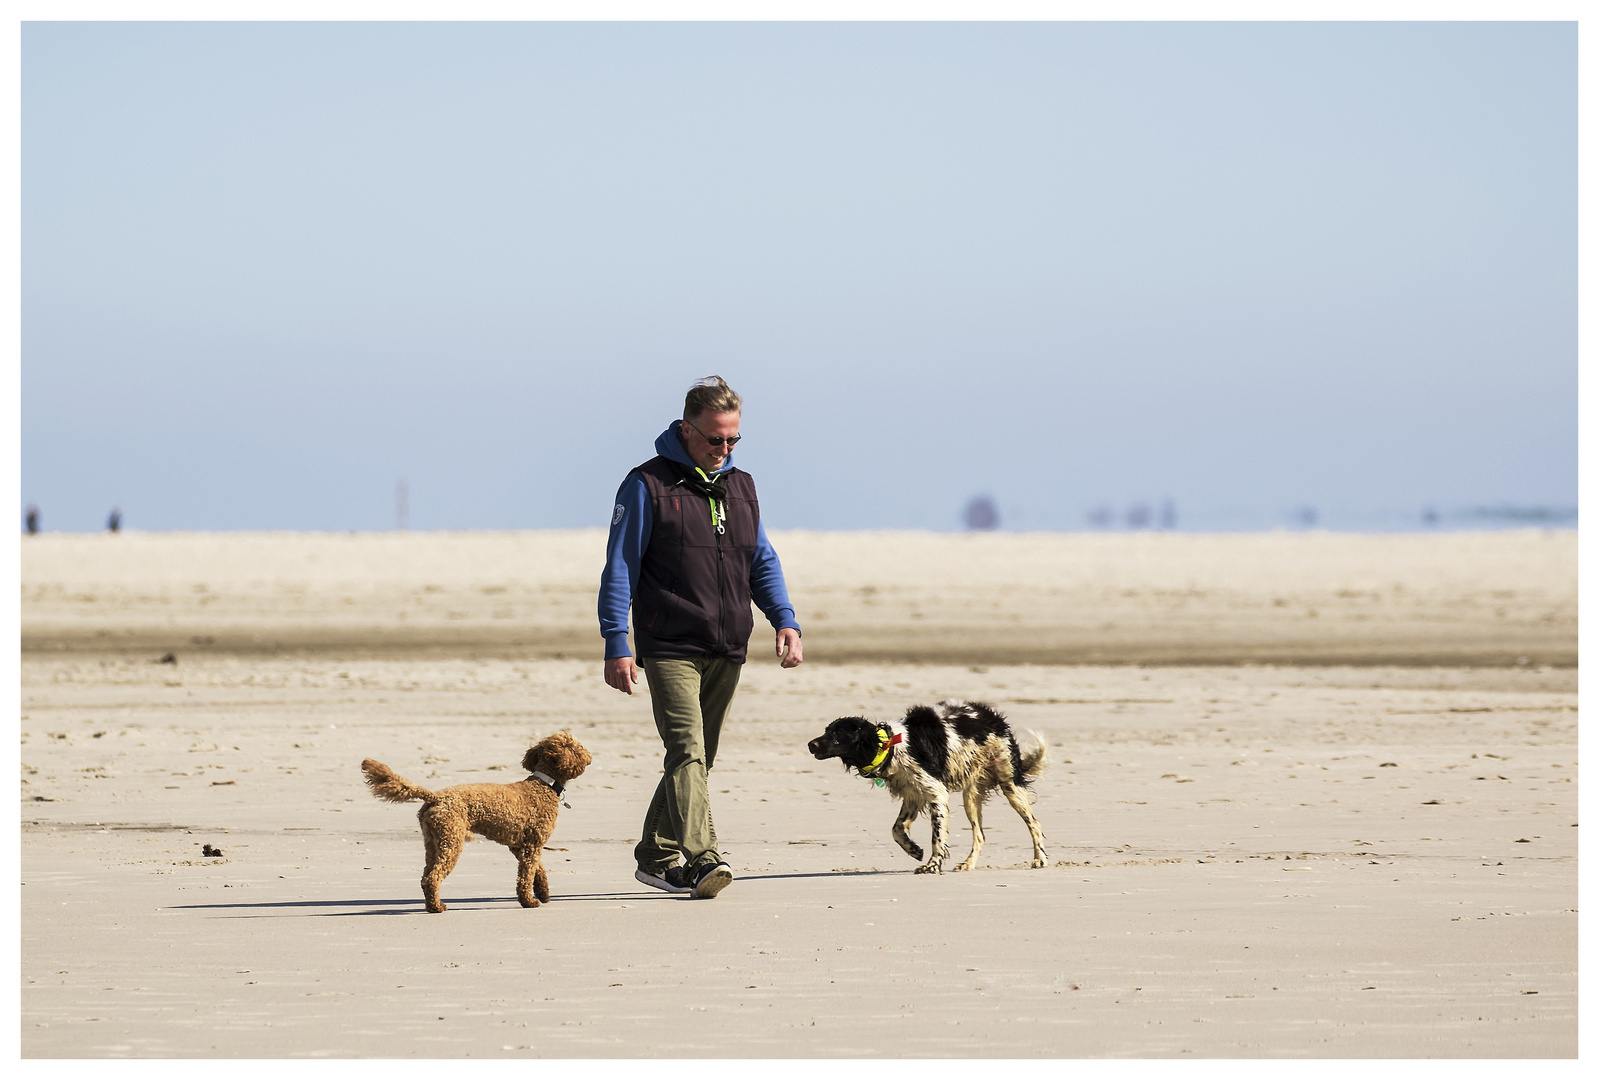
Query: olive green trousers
x: 691, y: 700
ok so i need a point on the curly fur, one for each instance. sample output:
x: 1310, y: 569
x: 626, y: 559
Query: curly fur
x: 521, y: 815
x: 962, y: 746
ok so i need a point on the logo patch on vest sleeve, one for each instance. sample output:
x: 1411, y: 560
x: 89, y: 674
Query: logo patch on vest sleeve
x: 618, y: 514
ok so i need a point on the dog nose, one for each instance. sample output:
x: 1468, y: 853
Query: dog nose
x: 815, y: 746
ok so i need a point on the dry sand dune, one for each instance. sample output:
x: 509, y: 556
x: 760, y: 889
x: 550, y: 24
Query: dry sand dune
x: 1348, y: 857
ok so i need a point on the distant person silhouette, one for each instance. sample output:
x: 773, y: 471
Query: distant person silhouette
x: 32, y: 519
x: 114, y: 522
x: 982, y: 514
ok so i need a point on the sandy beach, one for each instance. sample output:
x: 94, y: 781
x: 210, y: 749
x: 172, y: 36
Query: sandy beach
x: 1310, y: 795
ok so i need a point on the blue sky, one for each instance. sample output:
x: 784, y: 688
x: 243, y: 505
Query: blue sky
x: 271, y: 269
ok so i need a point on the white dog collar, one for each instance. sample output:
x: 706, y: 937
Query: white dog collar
x: 549, y: 782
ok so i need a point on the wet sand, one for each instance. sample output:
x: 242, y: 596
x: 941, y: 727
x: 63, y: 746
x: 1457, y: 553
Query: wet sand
x: 1341, y: 857
x: 1306, y: 598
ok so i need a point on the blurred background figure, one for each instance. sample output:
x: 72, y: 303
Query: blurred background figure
x: 1168, y: 515
x: 981, y: 514
x: 32, y: 519
x: 1306, y: 516
x: 1098, y: 517
x: 114, y: 522
x: 1138, y: 516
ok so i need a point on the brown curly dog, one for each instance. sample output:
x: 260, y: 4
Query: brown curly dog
x: 521, y: 815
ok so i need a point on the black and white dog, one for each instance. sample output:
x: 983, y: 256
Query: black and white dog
x: 954, y: 746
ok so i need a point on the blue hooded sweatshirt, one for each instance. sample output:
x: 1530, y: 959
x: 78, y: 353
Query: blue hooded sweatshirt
x: 631, y: 521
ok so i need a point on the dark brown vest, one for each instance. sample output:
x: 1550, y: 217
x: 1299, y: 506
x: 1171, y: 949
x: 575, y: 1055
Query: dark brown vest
x: 692, y: 597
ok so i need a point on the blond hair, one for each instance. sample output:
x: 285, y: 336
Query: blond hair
x: 711, y: 394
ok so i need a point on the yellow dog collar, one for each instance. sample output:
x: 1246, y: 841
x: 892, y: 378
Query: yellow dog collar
x: 883, y: 750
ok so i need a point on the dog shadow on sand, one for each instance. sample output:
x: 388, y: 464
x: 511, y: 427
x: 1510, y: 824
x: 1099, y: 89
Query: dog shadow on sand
x: 279, y: 909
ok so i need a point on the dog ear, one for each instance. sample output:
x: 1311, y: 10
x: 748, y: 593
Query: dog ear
x: 863, y: 735
x: 530, y: 760
x: 856, y: 739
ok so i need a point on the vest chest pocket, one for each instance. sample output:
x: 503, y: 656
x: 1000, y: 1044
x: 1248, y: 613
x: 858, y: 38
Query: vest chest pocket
x: 741, y: 519
x: 674, y: 523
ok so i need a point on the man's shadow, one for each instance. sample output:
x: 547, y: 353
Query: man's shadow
x: 278, y: 909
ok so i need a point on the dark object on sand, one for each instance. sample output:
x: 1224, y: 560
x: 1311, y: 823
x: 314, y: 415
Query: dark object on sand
x: 114, y: 522
x: 32, y: 519
x: 211, y: 852
x: 169, y: 658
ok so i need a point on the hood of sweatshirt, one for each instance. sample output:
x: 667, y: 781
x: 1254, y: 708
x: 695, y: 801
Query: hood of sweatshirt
x: 669, y: 444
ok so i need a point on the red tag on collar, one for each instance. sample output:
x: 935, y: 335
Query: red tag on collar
x: 899, y: 737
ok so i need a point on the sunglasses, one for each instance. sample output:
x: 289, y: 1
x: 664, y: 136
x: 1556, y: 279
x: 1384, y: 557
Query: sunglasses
x: 715, y: 440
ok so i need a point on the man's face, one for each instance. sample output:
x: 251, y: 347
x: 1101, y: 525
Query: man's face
x: 713, y: 424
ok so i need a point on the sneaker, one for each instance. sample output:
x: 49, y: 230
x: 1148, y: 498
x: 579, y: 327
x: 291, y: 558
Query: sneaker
x: 673, y: 879
x: 710, y: 880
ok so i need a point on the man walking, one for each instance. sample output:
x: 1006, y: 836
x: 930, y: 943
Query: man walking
x: 688, y: 553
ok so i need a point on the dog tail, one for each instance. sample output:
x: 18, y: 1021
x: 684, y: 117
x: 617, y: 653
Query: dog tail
x: 390, y: 786
x: 1034, y: 760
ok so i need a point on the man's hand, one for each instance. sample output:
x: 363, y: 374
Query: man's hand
x: 794, y: 656
x: 621, y: 674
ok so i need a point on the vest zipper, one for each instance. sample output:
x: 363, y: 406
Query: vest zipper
x: 721, y: 593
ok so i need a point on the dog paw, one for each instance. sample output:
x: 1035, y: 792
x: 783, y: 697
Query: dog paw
x: 436, y: 908
x: 1040, y: 862
x: 930, y: 868
x: 967, y: 865
x: 915, y: 852
x: 527, y: 901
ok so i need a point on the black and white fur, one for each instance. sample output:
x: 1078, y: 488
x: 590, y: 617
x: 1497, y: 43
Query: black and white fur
x: 954, y: 746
